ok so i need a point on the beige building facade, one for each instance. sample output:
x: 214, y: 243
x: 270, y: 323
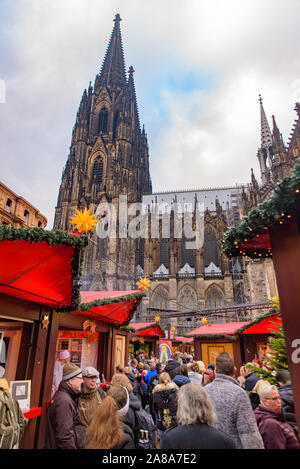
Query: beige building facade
x: 17, y: 211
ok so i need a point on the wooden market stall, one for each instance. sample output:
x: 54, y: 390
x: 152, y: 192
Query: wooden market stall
x: 244, y: 341
x: 273, y: 230
x: 42, y: 311
x: 38, y: 272
x: 146, y: 337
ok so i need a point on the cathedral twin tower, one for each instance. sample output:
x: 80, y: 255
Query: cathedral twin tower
x: 108, y: 157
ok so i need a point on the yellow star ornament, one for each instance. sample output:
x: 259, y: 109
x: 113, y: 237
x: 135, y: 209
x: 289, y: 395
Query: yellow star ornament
x: 275, y: 301
x: 143, y: 283
x: 83, y: 221
x: 157, y: 318
x: 204, y: 321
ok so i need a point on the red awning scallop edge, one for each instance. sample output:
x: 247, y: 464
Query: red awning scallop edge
x: 41, y: 266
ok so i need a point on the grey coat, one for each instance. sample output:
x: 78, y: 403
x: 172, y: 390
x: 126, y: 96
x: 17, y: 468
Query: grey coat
x: 234, y: 412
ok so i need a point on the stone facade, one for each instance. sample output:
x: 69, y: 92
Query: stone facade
x: 16, y: 211
x: 109, y: 158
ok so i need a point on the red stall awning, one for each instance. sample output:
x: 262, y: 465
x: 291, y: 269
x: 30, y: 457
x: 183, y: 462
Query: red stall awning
x: 222, y: 329
x: 144, y: 329
x: 40, y: 266
x: 114, y: 307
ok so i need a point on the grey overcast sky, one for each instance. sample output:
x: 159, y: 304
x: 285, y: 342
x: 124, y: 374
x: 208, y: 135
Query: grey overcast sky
x: 199, y: 68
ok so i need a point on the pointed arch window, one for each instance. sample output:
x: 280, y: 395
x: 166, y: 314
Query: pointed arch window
x: 187, y: 256
x: 98, y: 171
x: 164, y: 252
x: 214, y: 297
x: 103, y: 121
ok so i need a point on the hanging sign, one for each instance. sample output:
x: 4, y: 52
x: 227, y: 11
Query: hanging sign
x: 164, y: 352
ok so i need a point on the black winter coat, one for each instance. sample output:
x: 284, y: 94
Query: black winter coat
x: 171, y: 368
x: 287, y: 405
x: 196, y: 436
x: 128, y: 439
x: 64, y: 427
x: 134, y: 405
x: 164, y: 403
x: 250, y: 382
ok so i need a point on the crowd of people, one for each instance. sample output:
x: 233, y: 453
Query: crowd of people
x: 177, y: 405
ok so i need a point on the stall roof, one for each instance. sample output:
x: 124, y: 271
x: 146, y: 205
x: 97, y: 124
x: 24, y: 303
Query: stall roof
x: 114, y: 307
x: 146, y: 329
x: 250, y: 237
x: 262, y: 325
x: 217, y: 329
x: 40, y: 266
x: 185, y: 340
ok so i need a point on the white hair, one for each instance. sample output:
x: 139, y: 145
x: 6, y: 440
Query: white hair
x: 266, y: 390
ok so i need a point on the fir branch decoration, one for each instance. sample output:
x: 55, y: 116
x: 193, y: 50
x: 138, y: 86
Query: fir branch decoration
x: 280, y: 208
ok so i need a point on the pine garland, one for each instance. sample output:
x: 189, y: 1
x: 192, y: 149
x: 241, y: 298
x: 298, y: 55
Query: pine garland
x: 53, y: 238
x: 37, y: 235
x: 280, y: 208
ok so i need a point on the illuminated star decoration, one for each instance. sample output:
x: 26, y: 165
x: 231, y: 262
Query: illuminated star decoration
x: 157, y: 318
x: 83, y: 221
x: 204, y: 321
x: 45, y: 321
x: 173, y: 328
x: 275, y: 301
x: 143, y: 283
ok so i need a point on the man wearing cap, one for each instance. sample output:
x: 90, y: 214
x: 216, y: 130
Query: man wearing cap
x: 64, y: 427
x: 64, y: 357
x: 91, y: 396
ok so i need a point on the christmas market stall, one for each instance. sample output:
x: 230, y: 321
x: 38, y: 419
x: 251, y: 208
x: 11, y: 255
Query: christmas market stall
x: 39, y: 272
x: 145, y: 336
x: 244, y: 341
x: 273, y: 230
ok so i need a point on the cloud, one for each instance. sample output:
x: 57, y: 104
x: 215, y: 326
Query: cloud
x: 199, y: 69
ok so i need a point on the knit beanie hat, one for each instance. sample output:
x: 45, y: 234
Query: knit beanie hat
x: 70, y: 371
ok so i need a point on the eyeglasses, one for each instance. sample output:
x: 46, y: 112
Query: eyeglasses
x: 273, y: 398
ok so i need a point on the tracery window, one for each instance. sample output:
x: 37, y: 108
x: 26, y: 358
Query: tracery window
x: 210, y: 247
x: 98, y: 171
x: 214, y: 297
x: 103, y: 121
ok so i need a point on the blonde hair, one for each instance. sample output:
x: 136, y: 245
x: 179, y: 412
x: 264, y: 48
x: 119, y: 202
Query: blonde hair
x: 128, y: 371
x: 164, y: 378
x: 194, y: 405
x: 259, y: 385
x: 201, y: 366
x: 121, y: 380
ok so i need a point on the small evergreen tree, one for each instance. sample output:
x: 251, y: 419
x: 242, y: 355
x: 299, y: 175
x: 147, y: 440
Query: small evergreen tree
x: 277, y: 356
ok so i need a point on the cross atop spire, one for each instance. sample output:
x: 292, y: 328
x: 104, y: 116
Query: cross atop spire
x: 117, y: 19
x: 266, y: 138
x: 113, y: 67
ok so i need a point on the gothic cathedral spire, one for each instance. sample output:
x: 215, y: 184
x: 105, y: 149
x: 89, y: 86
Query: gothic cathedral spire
x: 108, y: 157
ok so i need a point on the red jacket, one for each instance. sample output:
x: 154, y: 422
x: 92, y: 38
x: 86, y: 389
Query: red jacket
x: 275, y: 432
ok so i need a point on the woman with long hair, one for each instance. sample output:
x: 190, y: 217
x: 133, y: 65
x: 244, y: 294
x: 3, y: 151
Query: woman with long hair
x: 134, y: 402
x: 165, y: 403
x: 108, y: 430
x: 195, y: 417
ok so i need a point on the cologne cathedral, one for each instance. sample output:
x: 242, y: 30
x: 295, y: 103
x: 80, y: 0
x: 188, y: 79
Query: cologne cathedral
x: 109, y: 158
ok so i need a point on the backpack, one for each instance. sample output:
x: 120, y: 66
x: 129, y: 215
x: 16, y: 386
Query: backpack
x: 144, y: 433
x: 164, y: 414
x: 153, y: 382
x: 12, y: 422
